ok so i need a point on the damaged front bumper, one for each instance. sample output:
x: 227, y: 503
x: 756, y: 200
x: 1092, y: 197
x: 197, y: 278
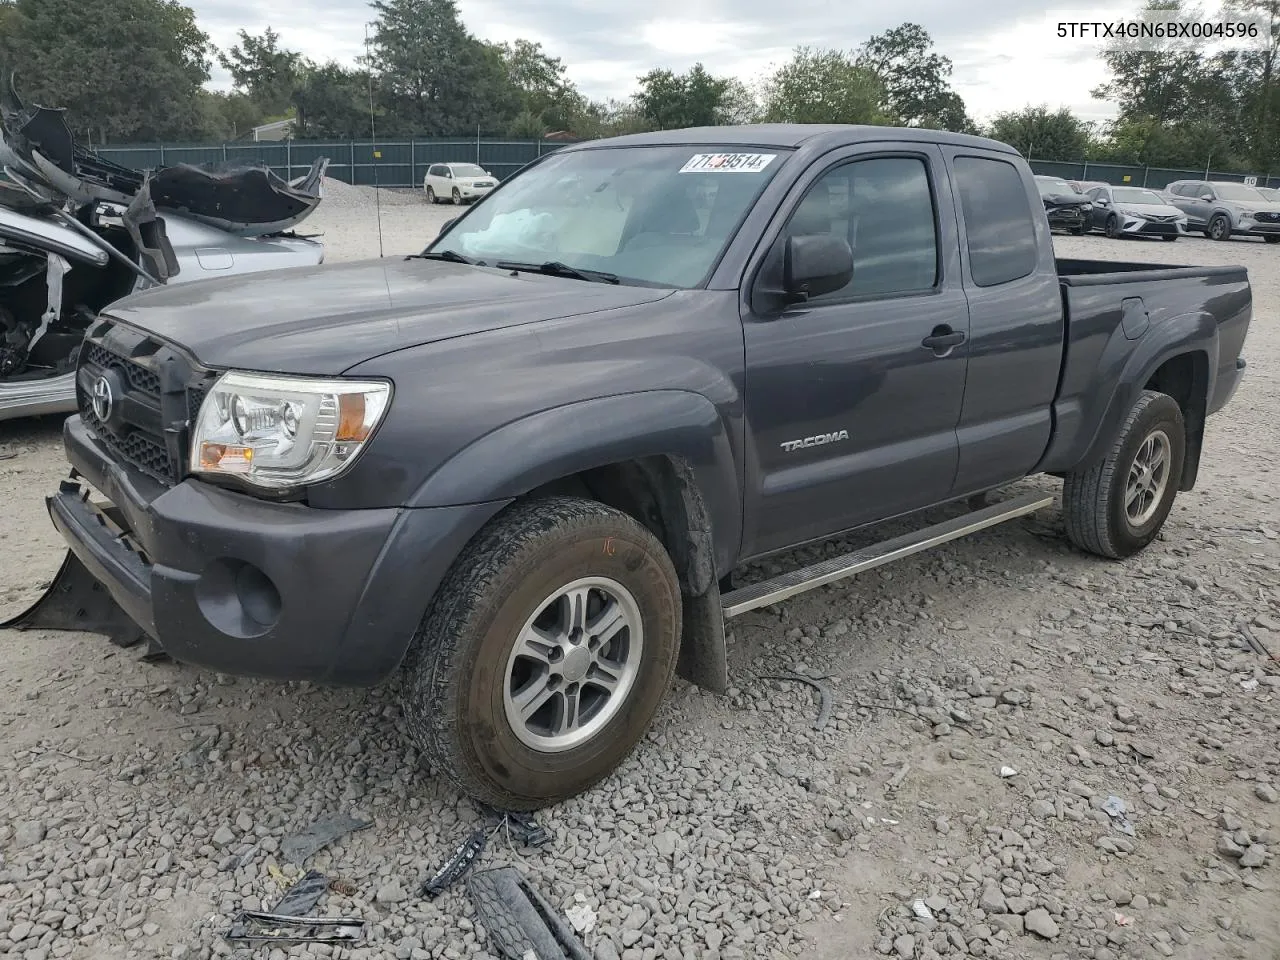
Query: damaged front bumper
x: 224, y: 581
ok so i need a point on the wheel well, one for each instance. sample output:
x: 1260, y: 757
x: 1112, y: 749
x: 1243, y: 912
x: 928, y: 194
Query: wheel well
x: 1185, y: 378
x: 661, y: 494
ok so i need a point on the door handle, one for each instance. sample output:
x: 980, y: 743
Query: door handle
x: 942, y: 339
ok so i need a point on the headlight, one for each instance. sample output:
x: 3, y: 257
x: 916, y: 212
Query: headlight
x: 1248, y: 214
x: 279, y: 432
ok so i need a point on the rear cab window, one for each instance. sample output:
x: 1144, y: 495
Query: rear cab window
x: 1000, y: 231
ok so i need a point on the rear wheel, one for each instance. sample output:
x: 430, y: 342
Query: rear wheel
x: 546, y: 653
x: 1117, y: 506
x: 1219, y: 228
x: 431, y: 195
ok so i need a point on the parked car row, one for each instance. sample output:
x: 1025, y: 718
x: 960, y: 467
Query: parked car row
x: 1220, y: 210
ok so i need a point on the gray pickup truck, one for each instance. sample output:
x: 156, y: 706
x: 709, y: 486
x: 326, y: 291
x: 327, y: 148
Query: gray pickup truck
x: 522, y: 465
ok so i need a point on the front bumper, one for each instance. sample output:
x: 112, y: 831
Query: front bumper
x: 1068, y: 219
x: 1257, y: 228
x: 1139, y: 227
x: 475, y: 193
x: 243, y: 586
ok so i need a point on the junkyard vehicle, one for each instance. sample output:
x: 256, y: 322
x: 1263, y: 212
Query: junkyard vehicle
x: 77, y: 233
x: 1223, y: 209
x: 457, y: 182
x: 522, y: 465
x: 1135, y: 212
x: 1066, y: 207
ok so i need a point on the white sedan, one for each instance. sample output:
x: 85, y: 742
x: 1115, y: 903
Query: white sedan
x: 457, y: 182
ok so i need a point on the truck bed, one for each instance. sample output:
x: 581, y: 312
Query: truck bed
x: 1118, y: 316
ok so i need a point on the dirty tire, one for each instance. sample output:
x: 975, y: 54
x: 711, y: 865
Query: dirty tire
x: 1219, y: 228
x: 458, y: 676
x: 1093, y: 499
x: 431, y: 195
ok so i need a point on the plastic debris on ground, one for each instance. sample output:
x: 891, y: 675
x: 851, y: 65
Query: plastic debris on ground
x: 519, y: 920
x: 921, y: 911
x: 1115, y: 808
x: 582, y: 916
x: 1007, y: 772
x: 521, y: 827
x: 300, y: 847
x: 300, y: 899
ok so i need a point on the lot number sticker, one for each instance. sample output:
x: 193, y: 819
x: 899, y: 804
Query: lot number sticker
x: 727, y: 162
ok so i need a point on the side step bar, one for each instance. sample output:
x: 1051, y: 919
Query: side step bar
x: 787, y: 585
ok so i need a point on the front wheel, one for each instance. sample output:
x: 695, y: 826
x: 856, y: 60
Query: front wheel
x: 546, y: 653
x: 1113, y: 227
x: 1117, y: 506
x: 1219, y: 228
x: 1170, y: 239
x: 457, y: 197
x: 431, y: 195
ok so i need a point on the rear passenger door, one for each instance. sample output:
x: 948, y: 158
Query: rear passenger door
x: 1016, y: 320
x: 851, y: 416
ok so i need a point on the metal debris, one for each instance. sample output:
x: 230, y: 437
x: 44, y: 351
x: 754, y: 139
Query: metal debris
x: 302, y: 846
x: 252, y: 927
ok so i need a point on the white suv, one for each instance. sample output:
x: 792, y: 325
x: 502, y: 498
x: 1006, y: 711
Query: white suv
x: 457, y: 182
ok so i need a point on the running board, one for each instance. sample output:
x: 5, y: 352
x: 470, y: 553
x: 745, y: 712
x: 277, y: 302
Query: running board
x: 788, y: 585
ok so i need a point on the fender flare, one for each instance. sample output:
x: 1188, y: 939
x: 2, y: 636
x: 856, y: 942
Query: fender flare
x: 524, y: 454
x: 1184, y: 334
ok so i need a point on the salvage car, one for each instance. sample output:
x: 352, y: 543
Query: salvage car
x: 1065, y: 206
x: 523, y: 466
x: 1135, y: 212
x: 1224, y: 209
x: 77, y: 232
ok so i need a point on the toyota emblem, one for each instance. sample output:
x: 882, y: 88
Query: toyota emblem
x: 102, y: 399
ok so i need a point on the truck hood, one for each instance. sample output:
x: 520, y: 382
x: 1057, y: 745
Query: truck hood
x: 324, y: 320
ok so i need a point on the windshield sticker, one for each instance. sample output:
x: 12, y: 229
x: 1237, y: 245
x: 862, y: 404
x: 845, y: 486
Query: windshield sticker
x: 727, y: 162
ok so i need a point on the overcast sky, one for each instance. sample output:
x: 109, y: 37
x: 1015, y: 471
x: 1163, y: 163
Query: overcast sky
x: 1006, y: 52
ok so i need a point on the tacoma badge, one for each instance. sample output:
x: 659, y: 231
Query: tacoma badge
x: 819, y: 440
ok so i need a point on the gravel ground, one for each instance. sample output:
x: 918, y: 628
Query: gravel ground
x: 144, y: 803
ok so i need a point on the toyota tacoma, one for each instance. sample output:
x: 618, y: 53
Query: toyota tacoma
x: 521, y: 465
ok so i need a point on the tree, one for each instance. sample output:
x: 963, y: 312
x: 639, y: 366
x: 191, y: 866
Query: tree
x: 544, y: 91
x: 432, y: 76
x: 332, y: 102
x: 1252, y: 73
x: 260, y: 68
x: 1037, y: 132
x: 823, y: 86
x: 124, y: 69
x: 917, y: 91
x: 670, y: 101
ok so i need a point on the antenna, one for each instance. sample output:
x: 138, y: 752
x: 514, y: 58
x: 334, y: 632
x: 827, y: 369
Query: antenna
x: 373, y: 135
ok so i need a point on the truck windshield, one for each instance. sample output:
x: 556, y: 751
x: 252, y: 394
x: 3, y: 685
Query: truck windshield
x: 656, y: 216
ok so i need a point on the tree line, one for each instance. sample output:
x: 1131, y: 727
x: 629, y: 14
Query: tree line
x: 135, y: 71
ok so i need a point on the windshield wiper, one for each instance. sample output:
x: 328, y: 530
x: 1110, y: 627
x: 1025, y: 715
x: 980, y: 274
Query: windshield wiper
x: 555, y: 268
x: 449, y: 255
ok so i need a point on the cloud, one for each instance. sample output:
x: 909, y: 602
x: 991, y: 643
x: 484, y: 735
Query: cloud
x: 1006, y: 52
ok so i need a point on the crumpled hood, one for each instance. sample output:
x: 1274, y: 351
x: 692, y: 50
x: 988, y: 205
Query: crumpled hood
x: 324, y: 320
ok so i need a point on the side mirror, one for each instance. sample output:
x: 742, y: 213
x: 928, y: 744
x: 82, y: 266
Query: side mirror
x: 1102, y: 201
x: 1207, y: 196
x: 816, y: 264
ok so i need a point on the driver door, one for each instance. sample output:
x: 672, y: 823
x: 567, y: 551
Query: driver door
x: 853, y: 397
